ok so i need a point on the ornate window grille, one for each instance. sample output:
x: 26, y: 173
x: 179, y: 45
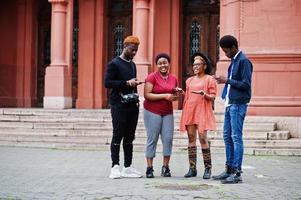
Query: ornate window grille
x: 75, y: 32
x: 217, y: 42
x: 118, y: 39
x: 195, y: 37
x: 75, y: 46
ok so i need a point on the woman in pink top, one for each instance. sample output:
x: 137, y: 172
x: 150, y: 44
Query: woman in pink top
x: 197, y: 115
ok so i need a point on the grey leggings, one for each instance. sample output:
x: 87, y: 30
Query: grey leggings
x: 155, y: 125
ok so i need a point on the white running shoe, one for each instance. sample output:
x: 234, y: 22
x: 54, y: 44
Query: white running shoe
x: 115, y: 172
x: 130, y: 172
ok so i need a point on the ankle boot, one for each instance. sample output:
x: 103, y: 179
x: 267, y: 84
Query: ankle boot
x: 191, y: 173
x: 192, y: 151
x: 228, y: 171
x: 165, y: 171
x: 234, y: 178
x: 207, y: 163
x: 149, y: 172
x: 207, y: 173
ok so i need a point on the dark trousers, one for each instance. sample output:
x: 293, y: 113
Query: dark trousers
x: 124, y: 119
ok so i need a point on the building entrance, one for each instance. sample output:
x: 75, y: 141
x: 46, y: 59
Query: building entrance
x: 44, y: 38
x: 44, y: 34
x: 200, y: 32
x: 119, y: 26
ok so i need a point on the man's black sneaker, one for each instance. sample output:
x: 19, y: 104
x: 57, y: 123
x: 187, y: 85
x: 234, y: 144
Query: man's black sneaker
x: 165, y: 171
x: 149, y: 172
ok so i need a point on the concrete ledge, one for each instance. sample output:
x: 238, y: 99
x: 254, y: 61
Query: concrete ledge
x: 278, y: 152
x: 57, y: 102
x: 278, y: 135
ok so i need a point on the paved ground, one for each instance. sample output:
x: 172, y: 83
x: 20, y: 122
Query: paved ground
x: 28, y: 173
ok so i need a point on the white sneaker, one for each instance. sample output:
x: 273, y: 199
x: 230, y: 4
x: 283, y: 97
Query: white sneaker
x: 130, y: 172
x: 115, y: 172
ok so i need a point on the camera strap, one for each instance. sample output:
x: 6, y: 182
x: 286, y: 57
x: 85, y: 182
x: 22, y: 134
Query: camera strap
x: 121, y: 94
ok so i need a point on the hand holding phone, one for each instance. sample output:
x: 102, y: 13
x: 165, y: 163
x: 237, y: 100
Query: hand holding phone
x: 220, y: 79
x: 178, y: 90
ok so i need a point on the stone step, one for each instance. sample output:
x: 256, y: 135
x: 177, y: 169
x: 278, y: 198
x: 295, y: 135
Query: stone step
x: 92, y: 129
x: 108, y: 125
x: 272, y: 144
x: 74, y: 139
x: 55, y: 139
x: 272, y: 135
x: 67, y: 112
x: 251, y: 135
x: 36, y: 114
x: 93, y: 116
x: 59, y: 145
x: 278, y: 152
x: 139, y: 147
x: 53, y: 112
x: 54, y: 118
x: 293, y: 143
x: 249, y: 151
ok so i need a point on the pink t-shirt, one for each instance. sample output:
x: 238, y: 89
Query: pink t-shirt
x: 160, y: 85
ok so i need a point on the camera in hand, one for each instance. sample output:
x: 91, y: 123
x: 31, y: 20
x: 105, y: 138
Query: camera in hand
x: 129, y: 98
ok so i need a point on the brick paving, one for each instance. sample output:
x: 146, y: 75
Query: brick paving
x: 33, y: 173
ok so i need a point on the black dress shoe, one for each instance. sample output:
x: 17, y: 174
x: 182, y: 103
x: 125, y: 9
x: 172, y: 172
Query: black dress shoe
x: 149, y: 172
x: 191, y: 173
x: 223, y: 175
x: 233, y: 179
x: 165, y: 171
x: 207, y: 173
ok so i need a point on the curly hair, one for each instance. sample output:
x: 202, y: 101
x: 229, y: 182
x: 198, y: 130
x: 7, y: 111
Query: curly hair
x: 162, y: 55
x: 206, y: 59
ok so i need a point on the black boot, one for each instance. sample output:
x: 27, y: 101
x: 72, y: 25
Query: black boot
x: 207, y: 163
x: 165, y: 171
x: 223, y: 175
x: 207, y: 173
x: 149, y: 172
x: 234, y: 178
x: 192, y: 151
x: 191, y: 173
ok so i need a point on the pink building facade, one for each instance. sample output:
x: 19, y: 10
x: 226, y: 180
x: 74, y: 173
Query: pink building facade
x: 54, y: 52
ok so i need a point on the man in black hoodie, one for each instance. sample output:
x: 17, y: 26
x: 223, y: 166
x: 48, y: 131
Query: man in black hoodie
x: 121, y: 78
